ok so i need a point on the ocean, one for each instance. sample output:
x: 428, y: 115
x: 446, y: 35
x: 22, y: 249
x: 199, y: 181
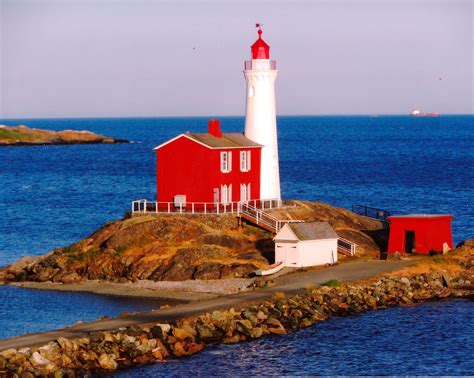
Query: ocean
x: 51, y: 196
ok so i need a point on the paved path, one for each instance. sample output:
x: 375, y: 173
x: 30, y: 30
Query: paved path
x: 289, y: 284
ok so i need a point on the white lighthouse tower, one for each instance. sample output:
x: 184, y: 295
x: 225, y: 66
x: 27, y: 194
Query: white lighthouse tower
x: 260, y: 116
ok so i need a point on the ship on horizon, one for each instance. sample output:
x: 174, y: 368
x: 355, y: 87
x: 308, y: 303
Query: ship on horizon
x: 418, y: 113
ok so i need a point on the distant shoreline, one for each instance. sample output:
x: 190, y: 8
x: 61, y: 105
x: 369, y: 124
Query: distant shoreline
x: 13, y: 136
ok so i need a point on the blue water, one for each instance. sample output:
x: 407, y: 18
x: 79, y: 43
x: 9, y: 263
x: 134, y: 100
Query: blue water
x: 52, y: 196
x: 429, y: 339
x: 24, y: 311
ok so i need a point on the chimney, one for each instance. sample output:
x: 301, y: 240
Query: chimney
x: 214, y: 128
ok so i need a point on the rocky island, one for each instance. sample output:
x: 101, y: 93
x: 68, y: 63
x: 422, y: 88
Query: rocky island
x: 166, y: 247
x: 25, y: 136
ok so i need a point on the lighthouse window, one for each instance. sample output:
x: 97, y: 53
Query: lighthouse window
x: 244, y: 161
x: 251, y: 92
x: 226, y: 161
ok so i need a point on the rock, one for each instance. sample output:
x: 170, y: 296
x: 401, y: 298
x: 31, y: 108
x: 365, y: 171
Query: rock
x: 107, y: 362
x: 250, y: 315
x: 108, y: 337
x: 184, y: 333
x: 208, y: 271
x: 50, y: 351
x: 160, y: 331
x: 275, y: 326
x: 218, y: 316
x: 70, y: 278
x: 37, y: 359
x: 446, y: 279
x: 256, y: 333
x: 185, y: 349
x: 405, y: 281
x: 8, y: 353
x: 244, y: 326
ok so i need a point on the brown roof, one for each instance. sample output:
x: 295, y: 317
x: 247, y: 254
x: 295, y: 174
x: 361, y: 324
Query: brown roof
x: 228, y: 140
x: 313, y: 230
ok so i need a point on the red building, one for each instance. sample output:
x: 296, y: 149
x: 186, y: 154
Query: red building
x: 420, y: 233
x: 212, y: 167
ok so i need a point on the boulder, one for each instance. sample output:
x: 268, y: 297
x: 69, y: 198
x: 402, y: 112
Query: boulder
x: 107, y: 362
x: 37, y: 359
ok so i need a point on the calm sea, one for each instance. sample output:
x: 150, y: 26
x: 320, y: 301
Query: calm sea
x: 52, y: 196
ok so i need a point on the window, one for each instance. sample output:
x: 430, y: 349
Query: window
x: 226, y: 194
x: 226, y: 161
x: 243, y: 192
x: 244, y: 161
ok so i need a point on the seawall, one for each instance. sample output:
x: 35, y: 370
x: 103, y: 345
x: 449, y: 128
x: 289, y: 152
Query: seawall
x: 125, y: 347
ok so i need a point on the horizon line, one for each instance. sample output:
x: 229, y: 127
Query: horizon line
x: 233, y: 116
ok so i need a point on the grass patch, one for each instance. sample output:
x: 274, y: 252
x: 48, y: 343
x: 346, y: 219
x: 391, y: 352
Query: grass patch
x: 332, y: 283
x: 71, y: 249
x: 121, y: 249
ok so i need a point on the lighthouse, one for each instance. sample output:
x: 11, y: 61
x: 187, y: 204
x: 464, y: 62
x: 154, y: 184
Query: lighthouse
x: 260, y: 114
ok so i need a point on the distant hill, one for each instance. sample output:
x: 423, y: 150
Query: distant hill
x: 25, y: 136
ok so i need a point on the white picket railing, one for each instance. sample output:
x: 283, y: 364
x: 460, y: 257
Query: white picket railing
x: 260, y: 217
x: 145, y: 207
x: 346, y: 246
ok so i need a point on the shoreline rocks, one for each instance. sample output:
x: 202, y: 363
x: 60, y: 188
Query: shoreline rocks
x: 149, y: 343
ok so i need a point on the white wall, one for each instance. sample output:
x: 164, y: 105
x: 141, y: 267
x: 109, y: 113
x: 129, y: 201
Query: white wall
x: 309, y: 253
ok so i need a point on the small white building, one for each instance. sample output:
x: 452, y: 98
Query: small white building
x: 306, y: 244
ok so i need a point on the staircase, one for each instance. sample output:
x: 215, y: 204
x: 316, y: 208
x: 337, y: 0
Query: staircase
x: 262, y: 219
x: 272, y: 224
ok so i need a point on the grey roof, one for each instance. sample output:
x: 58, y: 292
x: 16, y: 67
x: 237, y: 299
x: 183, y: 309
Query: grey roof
x: 313, y: 230
x: 228, y: 140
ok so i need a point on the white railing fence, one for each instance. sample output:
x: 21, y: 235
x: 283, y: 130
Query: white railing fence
x: 259, y: 217
x: 346, y: 247
x: 145, y: 207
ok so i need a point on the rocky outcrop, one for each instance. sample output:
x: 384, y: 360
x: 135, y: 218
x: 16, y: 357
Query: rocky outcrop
x: 370, y: 235
x: 25, y: 136
x: 155, y: 247
x: 126, y: 347
x: 164, y: 247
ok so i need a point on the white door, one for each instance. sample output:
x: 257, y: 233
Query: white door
x: 280, y: 253
x: 291, y: 254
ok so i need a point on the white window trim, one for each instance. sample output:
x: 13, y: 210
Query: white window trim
x: 243, y: 192
x: 226, y: 194
x: 226, y: 161
x: 244, y: 159
x: 223, y: 193
x: 249, y: 197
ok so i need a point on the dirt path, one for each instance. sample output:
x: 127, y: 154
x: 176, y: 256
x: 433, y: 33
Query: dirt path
x: 289, y: 284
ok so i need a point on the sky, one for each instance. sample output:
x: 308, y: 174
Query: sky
x: 113, y: 58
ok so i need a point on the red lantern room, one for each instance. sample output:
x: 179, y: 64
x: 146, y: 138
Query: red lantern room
x: 260, y: 49
x: 420, y: 233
